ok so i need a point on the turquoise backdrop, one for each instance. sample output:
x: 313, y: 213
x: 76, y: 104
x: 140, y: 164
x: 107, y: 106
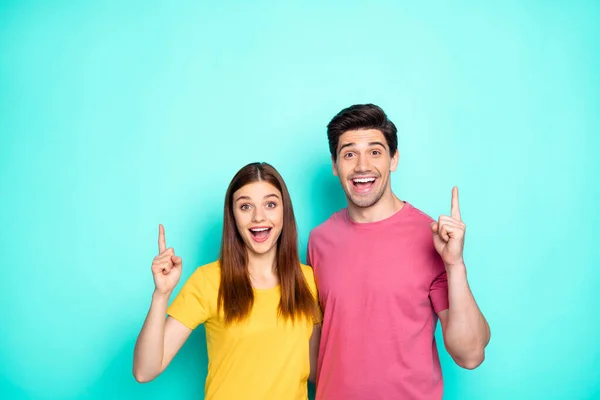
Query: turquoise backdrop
x: 117, y: 116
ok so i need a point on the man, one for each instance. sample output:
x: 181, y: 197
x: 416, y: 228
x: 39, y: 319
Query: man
x: 386, y: 272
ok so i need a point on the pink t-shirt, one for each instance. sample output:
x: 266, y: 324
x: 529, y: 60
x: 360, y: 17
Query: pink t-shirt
x: 380, y: 286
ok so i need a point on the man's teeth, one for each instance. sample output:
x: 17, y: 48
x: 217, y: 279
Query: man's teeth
x: 364, y: 180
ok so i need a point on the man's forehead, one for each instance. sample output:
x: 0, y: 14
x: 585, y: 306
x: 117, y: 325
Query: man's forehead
x: 363, y: 137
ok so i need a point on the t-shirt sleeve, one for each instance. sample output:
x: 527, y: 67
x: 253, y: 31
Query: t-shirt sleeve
x: 438, y: 291
x: 309, y: 252
x: 190, y: 306
x: 310, y: 280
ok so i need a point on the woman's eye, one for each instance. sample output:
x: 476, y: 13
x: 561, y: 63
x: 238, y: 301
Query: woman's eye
x: 245, y: 207
x: 271, y: 204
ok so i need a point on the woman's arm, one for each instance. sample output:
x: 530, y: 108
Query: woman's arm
x: 158, y: 342
x: 313, y: 345
x: 160, y: 339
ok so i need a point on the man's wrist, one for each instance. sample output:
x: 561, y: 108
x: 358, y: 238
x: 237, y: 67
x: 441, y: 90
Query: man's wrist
x: 458, y: 269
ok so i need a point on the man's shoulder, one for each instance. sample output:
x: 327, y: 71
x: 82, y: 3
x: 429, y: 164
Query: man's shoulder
x: 417, y: 215
x: 418, y: 223
x: 336, y: 219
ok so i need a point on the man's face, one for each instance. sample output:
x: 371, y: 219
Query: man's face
x: 364, y: 165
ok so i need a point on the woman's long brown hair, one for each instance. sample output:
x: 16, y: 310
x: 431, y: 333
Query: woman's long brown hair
x: 236, y: 296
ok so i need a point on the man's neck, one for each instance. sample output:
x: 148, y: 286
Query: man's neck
x: 387, y: 206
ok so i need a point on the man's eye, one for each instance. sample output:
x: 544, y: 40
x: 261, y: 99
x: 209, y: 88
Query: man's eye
x: 376, y: 152
x: 348, y: 155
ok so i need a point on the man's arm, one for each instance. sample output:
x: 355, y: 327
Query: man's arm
x: 465, y: 329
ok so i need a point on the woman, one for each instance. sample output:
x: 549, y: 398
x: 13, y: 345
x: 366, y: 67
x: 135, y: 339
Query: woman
x: 258, y: 303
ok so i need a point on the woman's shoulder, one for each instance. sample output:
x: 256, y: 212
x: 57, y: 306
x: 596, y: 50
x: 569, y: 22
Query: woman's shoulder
x: 309, y: 275
x: 211, y: 268
x: 207, y: 274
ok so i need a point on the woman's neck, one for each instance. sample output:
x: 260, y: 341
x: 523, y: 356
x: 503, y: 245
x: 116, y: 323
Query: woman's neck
x: 262, y: 269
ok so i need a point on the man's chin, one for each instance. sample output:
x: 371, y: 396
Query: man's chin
x: 362, y: 201
x: 365, y: 200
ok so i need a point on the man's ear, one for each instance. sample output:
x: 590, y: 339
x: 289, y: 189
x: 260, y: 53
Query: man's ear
x: 394, y: 162
x: 334, y: 167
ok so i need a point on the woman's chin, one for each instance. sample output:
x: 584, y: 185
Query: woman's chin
x: 260, y: 249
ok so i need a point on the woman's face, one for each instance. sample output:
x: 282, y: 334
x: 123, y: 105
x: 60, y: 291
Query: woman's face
x: 258, y: 213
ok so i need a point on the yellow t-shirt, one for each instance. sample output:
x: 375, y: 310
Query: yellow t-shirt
x: 262, y: 357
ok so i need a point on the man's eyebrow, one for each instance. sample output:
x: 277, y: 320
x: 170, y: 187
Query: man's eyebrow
x: 354, y: 144
x: 346, y: 145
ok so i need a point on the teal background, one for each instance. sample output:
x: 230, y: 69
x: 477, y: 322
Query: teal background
x: 117, y: 116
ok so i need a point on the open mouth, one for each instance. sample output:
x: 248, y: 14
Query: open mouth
x: 363, y: 184
x: 260, y: 234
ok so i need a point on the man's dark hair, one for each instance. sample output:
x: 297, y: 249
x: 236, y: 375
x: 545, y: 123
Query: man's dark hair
x: 361, y: 116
